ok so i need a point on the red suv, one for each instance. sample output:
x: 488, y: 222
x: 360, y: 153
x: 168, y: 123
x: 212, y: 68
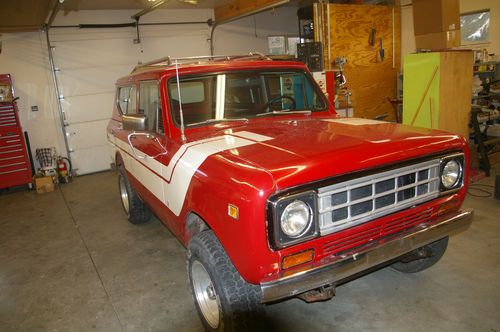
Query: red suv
x: 275, y: 196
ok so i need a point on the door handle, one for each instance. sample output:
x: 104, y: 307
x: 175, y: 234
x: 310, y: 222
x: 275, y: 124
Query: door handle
x: 129, y: 138
x: 148, y: 136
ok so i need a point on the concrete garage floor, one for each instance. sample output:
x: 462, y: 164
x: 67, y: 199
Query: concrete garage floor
x: 69, y: 261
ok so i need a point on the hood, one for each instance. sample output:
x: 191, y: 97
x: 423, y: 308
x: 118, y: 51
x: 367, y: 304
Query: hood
x: 301, y: 150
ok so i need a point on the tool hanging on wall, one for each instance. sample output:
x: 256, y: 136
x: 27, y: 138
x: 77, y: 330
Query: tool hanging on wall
x: 382, y: 51
x: 371, y: 36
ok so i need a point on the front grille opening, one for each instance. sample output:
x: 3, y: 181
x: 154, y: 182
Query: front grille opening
x: 385, y: 185
x: 361, y: 192
x: 360, y: 208
x: 386, y: 200
x: 356, y: 201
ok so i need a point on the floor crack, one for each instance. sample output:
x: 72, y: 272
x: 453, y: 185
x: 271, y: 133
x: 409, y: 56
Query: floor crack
x: 92, y: 259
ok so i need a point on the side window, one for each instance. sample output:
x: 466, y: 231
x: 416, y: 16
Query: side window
x: 149, y: 104
x: 127, y: 101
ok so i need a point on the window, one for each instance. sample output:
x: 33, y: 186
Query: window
x: 149, y: 105
x: 191, y: 92
x: 198, y: 101
x: 242, y: 95
x: 475, y: 27
x: 127, y: 99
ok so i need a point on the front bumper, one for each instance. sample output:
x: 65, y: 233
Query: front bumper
x: 364, y: 257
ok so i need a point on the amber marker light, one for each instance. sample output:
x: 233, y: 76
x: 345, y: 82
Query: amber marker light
x: 232, y: 211
x: 297, y: 259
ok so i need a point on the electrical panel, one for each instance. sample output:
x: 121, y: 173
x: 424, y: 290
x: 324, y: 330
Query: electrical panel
x: 311, y: 54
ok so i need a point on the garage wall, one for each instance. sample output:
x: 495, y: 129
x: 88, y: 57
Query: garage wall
x: 250, y: 33
x: 407, y: 33
x: 90, y: 61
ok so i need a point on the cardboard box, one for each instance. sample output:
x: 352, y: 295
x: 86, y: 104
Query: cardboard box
x: 438, y: 41
x: 43, y: 184
x: 432, y: 16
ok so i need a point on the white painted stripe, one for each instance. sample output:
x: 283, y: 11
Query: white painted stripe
x: 182, y: 167
x: 252, y: 136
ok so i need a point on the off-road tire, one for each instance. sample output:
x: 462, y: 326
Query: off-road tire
x: 137, y: 212
x: 437, y: 249
x: 238, y: 301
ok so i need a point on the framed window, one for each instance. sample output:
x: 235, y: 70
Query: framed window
x: 149, y: 105
x: 127, y: 99
x: 475, y: 27
x: 242, y: 95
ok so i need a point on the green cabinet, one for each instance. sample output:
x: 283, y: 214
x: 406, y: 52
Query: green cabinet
x: 437, y: 90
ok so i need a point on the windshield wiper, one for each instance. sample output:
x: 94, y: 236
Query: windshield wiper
x: 284, y: 112
x: 216, y: 120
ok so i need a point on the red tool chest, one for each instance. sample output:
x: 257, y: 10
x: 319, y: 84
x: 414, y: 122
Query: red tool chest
x: 14, y: 163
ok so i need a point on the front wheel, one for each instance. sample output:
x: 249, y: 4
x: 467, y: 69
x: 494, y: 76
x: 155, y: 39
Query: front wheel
x: 223, y: 299
x: 422, y: 258
x: 136, y: 211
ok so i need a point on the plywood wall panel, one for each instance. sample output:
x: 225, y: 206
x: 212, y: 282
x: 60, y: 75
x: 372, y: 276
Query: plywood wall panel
x: 370, y: 78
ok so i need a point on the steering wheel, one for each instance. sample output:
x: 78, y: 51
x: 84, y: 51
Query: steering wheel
x: 275, y: 99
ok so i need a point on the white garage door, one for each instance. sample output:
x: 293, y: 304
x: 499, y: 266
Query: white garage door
x: 90, y: 61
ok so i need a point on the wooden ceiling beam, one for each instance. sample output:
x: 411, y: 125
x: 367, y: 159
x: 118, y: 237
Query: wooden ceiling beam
x: 241, y: 8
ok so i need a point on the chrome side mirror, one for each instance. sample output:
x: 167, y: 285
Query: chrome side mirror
x: 135, y: 122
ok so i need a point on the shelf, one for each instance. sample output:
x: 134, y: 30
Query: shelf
x: 486, y: 96
x: 484, y: 71
x: 486, y: 63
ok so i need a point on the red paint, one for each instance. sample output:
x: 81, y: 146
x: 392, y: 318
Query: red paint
x: 304, y: 149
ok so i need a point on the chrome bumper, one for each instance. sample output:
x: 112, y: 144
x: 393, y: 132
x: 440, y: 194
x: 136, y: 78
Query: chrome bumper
x: 363, y: 258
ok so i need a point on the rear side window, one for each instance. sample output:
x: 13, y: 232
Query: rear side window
x: 127, y: 99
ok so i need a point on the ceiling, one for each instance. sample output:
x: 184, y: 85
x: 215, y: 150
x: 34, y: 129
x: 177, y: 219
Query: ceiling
x: 31, y: 15
x: 137, y: 4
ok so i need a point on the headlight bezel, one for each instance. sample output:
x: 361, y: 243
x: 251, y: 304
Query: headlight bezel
x: 276, y: 207
x: 460, y: 159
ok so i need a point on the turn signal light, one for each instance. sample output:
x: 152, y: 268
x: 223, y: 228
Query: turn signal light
x: 297, y: 259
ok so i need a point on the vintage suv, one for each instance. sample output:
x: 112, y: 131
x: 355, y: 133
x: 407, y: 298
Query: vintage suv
x: 275, y: 196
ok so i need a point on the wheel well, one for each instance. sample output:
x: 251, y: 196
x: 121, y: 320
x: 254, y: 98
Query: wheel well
x: 194, y: 225
x: 118, y: 160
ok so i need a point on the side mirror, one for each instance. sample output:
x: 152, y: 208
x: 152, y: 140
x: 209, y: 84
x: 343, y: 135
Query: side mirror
x: 135, y: 122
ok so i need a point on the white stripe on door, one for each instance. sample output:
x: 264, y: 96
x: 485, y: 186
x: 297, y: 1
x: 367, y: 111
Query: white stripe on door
x: 183, y: 165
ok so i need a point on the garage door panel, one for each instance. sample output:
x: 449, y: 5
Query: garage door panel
x: 77, y: 82
x: 89, y: 107
x: 86, y: 135
x: 93, y: 160
x: 90, y: 53
x: 163, y: 46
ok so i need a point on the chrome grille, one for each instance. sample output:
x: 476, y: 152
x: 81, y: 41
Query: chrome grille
x: 353, y: 202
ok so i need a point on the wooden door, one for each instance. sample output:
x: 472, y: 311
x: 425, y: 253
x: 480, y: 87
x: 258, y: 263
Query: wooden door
x: 371, y: 78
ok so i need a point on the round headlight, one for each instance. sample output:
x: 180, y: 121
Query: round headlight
x: 451, y: 174
x: 296, y: 219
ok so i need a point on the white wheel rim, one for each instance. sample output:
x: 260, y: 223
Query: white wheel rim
x: 205, y: 294
x: 124, y: 195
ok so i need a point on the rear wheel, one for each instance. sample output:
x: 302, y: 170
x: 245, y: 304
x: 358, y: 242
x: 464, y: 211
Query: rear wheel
x: 136, y: 211
x: 422, y: 258
x: 223, y: 299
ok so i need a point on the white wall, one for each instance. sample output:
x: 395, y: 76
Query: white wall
x: 25, y: 57
x: 92, y: 59
x: 493, y: 46
x: 250, y: 33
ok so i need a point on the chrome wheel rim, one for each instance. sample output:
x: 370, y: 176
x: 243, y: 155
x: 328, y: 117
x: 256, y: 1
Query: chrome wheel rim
x: 124, y: 195
x: 205, y: 294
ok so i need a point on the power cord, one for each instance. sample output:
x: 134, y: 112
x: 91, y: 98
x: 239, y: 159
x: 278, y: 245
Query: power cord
x: 485, y: 193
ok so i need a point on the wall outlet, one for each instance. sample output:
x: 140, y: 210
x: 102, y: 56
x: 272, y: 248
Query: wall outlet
x: 34, y: 108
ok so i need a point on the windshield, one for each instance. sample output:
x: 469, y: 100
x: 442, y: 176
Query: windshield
x: 242, y: 95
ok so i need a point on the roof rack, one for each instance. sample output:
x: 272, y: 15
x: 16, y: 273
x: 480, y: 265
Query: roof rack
x: 168, y: 61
